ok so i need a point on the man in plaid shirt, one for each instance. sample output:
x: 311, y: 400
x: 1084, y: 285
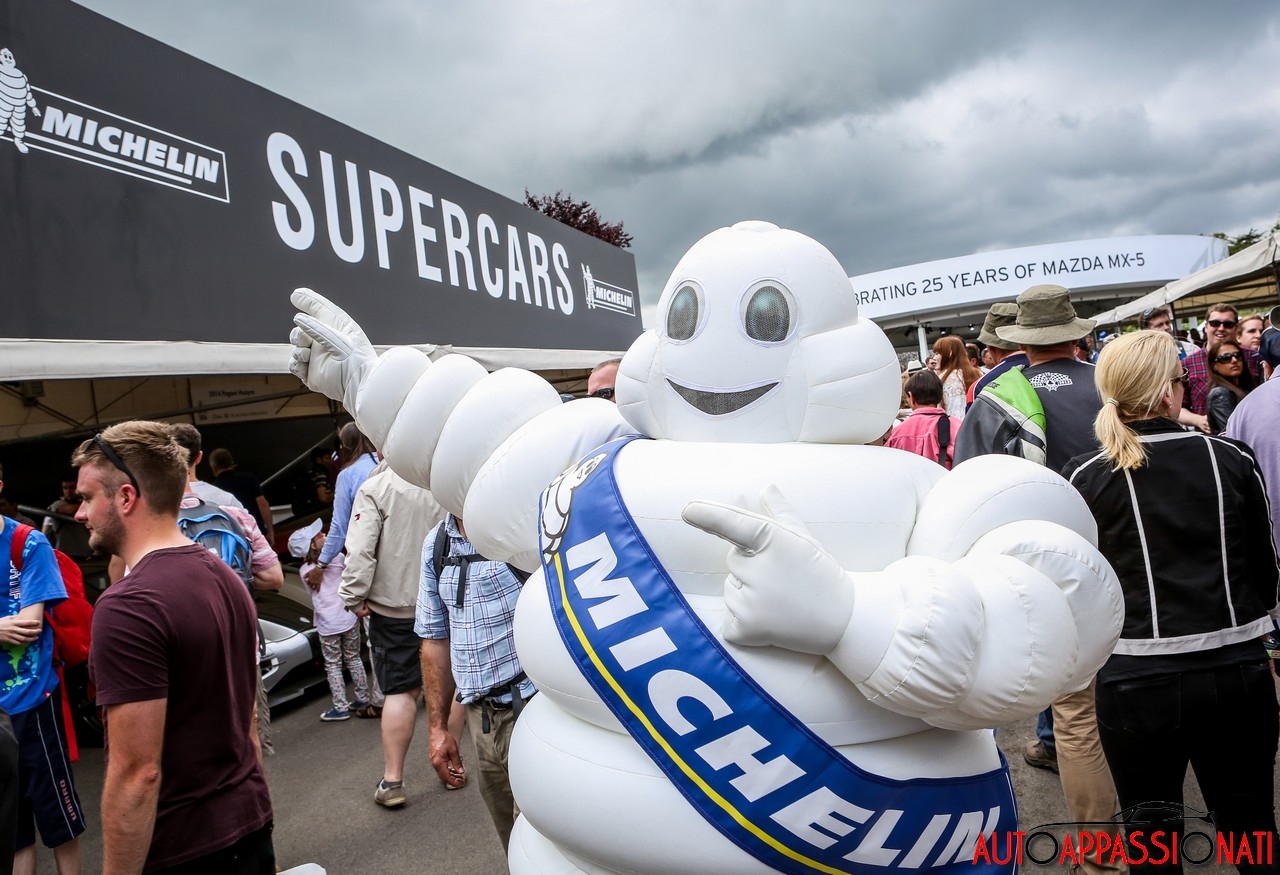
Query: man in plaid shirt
x: 466, y: 605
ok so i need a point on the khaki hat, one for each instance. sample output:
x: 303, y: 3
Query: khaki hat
x: 1045, y: 317
x: 999, y: 316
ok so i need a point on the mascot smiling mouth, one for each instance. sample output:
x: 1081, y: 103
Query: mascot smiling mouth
x: 720, y: 403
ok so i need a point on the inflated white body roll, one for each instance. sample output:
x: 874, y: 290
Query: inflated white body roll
x: 994, y: 490
x: 494, y: 409
x: 758, y: 385
x: 1076, y: 567
x: 412, y: 436
x: 382, y: 394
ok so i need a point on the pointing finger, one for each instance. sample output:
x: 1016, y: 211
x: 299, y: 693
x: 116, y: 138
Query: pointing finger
x: 745, y: 530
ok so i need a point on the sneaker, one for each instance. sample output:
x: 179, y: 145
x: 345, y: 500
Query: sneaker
x: 1036, y: 754
x: 389, y: 797
x: 333, y: 715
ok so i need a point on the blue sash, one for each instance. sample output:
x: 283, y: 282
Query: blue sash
x: 748, y: 766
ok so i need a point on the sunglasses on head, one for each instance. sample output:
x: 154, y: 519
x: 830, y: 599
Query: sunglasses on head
x: 1223, y: 357
x: 606, y: 393
x: 1222, y: 323
x: 116, y: 460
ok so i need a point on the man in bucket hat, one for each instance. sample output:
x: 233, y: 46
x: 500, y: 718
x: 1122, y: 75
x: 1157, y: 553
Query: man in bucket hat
x: 1056, y: 422
x: 1045, y: 411
x: 1004, y: 354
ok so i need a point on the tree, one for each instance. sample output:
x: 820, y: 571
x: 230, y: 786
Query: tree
x: 578, y: 214
x: 1245, y: 240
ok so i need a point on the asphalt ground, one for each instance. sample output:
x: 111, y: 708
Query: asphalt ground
x: 323, y: 775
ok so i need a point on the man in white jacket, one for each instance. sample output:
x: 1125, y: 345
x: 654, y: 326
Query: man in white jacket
x: 390, y: 517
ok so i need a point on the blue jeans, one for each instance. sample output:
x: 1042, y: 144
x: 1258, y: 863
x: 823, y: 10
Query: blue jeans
x: 1044, y: 729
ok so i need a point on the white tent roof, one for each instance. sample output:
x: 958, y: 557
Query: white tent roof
x: 1258, y: 260
x: 22, y: 359
x: 59, y: 387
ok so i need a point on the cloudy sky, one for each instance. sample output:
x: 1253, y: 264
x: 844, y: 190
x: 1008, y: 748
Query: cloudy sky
x: 892, y: 132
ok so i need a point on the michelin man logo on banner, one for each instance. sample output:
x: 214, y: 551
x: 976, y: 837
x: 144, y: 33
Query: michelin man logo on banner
x: 15, y: 97
x: 760, y: 644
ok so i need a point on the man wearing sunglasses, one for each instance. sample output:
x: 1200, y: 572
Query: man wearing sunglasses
x: 175, y: 663
x: 601, y: 379
x: 1220, y: 325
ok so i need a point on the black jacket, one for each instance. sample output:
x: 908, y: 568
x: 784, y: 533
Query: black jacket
x: 1219, y: 406
x: 1189, y: 536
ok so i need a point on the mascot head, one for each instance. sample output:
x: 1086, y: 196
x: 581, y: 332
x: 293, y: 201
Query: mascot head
x: 758, y: 340
x: 6, y: 59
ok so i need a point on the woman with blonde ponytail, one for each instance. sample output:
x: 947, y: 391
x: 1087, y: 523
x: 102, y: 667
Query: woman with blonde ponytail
x: 1136, y: 381
x: 1189, y: 680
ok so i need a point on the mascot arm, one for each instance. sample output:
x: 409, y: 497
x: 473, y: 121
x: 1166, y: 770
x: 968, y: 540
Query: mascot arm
x: 448, y: 424
x: 972, y: 636
x: 1003, y: 506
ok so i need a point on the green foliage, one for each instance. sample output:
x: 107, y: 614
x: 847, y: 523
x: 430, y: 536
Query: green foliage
x: 1245, y: 240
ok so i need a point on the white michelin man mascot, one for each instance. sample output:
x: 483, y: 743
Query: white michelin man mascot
x: 814, y: 695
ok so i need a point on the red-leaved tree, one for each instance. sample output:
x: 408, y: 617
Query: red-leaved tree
x: 578, y: 214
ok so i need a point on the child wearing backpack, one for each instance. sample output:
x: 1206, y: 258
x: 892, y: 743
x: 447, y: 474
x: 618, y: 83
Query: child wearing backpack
x: 339, y: 631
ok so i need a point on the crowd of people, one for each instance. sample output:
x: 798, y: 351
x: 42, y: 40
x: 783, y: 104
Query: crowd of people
x: 1122, y: 419
x: 1200, y: 588
x: 176, y: 658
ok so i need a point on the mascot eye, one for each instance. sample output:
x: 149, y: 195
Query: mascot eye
x: 768, y: 314
x: 682, y: 317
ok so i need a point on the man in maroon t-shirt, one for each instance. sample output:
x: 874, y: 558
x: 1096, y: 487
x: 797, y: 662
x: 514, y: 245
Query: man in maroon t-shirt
x: 174, y: 661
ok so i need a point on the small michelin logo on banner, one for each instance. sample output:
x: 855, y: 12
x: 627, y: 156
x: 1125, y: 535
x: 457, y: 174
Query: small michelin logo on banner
x: 15, y: 98
x: 603, y: 296
x: 101, y: 138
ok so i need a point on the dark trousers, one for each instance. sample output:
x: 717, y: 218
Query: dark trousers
x: 8, y: 792
x: 1224, y: 722
x: 252, y: 855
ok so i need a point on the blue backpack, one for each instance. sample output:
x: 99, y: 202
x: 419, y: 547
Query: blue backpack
x: 211, y: 527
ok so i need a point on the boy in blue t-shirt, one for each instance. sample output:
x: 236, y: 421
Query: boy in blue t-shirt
x: 28, y: 691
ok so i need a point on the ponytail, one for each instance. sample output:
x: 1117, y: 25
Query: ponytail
x: 1133, y: 375
x: 1119, y: 443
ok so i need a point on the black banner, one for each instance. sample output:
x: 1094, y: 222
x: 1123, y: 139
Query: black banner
x: 147, y: 195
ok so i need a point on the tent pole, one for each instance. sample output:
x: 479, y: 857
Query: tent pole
x: 305, y: 455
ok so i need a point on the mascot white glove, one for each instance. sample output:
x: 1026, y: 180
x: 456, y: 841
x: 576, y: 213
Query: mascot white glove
x: 331, y: 353
x: 783, y: 587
